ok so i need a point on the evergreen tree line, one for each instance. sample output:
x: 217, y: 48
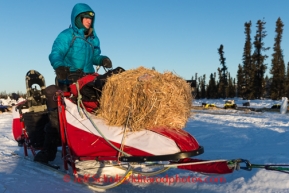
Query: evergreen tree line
x: 4, y: 95
x: 250, y: 82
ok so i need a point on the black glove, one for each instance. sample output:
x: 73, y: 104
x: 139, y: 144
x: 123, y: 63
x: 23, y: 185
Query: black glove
x: 106, y: 62
x: 62, y: 72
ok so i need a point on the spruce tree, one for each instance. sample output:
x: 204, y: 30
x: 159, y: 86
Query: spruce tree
x: 232, y: 87
x: 259, y: 58
x: 267, y: 84
x: 230, y: 90
x: 220, y: 85
x: 235, y: 87
x: 240, y: 82
x: 202, y: 82
x: 223, y: 79
x: 278, y: 65
x: 212, y: 88
x: 248, y: 70
x: 209, y: 89
x: 203, y: 88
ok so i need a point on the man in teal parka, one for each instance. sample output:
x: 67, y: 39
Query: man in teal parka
x: 77, y: 48
x: 74, y: 53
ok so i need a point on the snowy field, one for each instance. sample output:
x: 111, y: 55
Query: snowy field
x: 260, y: 137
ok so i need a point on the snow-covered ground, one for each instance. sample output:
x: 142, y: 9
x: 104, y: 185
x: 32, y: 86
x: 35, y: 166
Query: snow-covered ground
x: 9, y: 101
x: 260, y: 137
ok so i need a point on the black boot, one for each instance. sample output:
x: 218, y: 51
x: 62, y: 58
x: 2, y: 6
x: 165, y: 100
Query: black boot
x: 48, y: 153
x: 52, y: 139
x: 41, y: 156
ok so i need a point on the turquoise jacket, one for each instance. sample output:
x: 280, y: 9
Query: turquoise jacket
x: 72, y: 49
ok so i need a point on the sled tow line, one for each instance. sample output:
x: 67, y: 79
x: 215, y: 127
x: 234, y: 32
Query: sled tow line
x: 273, y: 167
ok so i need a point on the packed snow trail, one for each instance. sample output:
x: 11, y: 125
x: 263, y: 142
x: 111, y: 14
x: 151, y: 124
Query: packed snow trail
x: 260, y: 138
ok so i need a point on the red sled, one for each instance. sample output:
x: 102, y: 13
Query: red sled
x: 16, y: 124
x: 84, y: 137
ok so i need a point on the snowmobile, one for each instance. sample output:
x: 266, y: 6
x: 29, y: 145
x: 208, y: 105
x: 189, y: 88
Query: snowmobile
x: 230, y: 104
x: 207, y: 105
x: 89, y: 145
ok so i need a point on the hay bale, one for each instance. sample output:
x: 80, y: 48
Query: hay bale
x: 143, y: 99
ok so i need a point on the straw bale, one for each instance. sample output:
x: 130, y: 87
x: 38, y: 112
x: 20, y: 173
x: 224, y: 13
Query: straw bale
x: 144, y: 99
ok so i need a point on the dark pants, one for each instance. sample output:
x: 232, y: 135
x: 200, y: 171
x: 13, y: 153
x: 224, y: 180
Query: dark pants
x: 52, y: 134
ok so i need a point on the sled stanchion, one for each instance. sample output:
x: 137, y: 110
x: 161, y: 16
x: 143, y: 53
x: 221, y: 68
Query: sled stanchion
x: 25, y: 149
x: 67, y: 155
x: 62, y: 134
x: 23, y: 136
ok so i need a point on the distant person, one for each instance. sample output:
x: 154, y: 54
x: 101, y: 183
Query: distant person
x: 15, y: 96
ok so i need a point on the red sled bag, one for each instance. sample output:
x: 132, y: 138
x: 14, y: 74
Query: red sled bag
x: 220, y: 167
x: 89, y: 99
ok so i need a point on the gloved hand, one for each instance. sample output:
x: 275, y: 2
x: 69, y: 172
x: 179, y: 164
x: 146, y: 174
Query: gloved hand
x: 62, y: 72
x: 106, y: 62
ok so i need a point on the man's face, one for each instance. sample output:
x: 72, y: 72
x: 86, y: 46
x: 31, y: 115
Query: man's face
x: 86, y: 22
